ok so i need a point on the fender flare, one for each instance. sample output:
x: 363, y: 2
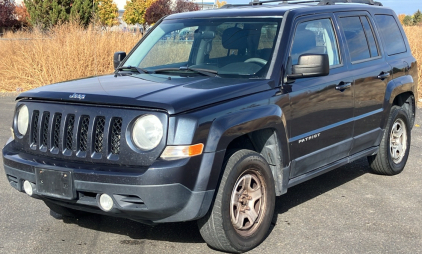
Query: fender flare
x: 225, y: 129
x: 394, y: 88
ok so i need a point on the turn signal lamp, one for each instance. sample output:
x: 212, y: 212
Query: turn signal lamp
x: 181, y: 152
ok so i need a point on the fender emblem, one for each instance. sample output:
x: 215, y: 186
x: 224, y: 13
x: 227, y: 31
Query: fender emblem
x: 77, y: 96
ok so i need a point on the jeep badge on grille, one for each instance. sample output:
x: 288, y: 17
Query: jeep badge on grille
x: 77, y: 96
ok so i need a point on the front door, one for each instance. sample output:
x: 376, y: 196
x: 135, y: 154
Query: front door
x: 321, y: 117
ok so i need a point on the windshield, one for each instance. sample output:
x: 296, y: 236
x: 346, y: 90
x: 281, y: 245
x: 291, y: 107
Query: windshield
x: 228, y: 47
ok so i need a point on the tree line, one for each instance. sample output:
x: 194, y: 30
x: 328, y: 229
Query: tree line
x: 411, y: 20
x: 45, y: 14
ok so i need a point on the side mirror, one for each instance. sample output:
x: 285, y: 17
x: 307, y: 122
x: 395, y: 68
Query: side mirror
x: 311, y: 65
x: 118, y: 57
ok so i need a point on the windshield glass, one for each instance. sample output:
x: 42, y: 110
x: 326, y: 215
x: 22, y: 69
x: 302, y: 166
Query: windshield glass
x: 228, y: 47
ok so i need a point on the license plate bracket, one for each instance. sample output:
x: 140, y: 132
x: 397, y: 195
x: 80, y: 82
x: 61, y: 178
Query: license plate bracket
x: 55, y: 183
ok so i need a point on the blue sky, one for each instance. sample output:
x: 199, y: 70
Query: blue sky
x: 399, y: 6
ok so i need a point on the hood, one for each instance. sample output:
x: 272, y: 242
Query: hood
x: 172, y: 94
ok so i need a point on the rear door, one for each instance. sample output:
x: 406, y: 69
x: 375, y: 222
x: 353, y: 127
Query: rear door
x: 322, y: 107
x: 370, y: 73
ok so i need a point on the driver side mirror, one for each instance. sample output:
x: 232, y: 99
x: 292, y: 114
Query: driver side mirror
x: 118, y: 58
x: 311, y: 65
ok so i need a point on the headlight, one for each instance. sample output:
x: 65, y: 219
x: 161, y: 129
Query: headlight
x: 147, y: 132
x: 22, y: 119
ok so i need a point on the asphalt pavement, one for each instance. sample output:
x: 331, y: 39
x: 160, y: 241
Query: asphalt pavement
x: 348, y: 210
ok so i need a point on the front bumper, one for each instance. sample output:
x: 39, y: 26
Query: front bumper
x: 167, y: 191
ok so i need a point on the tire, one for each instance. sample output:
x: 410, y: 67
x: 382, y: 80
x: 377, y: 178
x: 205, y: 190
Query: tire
x: 395, y: 144
x: 58, y: 211
x: 241, y: 215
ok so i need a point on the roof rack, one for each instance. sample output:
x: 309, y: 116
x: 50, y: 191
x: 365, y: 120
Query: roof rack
x: 320, y: 2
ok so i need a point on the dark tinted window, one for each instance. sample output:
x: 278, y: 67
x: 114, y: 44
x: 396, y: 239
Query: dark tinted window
x: 356, y: 40
x: 390, y: 34
x: 370, y: 36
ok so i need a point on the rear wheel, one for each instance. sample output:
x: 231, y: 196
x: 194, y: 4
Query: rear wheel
x: 243, y: 208
x: 395, y: 144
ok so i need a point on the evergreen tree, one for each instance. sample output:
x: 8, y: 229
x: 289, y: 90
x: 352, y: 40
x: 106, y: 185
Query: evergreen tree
x: 408, y: 20
x: 417, y: 17
x: 107, y: 12
x: 48, y: 13
x: 82, y: 10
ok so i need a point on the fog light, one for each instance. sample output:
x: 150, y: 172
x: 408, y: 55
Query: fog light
x: 28, y: 188
x: 106, y: 202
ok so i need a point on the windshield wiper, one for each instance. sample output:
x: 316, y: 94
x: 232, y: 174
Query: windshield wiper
x: 132, y: 68
x: 205, y: 72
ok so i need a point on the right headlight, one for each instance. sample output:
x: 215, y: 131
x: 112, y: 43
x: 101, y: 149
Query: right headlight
x: 147, y: 132
x: 22, y: 119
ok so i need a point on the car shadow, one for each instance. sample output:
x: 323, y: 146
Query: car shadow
x: 187, y: 232
x: 313, y: 188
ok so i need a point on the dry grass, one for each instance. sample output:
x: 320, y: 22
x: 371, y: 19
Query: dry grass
x: 33, y: 59
x: 69, y: 52
x: 414, y: 35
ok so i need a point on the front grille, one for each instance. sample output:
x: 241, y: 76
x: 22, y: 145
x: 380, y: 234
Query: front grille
x: 34, y: 133
x: 69, y: 131
x: 93, y: 134
x: 83, y: 134
x: 99, y: 134
x: 116, y: 131
x: 56, y: 130
x: 41, y: 135
x: 45, y: 124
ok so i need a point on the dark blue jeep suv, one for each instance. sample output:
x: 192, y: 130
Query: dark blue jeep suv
x: 215, y: 113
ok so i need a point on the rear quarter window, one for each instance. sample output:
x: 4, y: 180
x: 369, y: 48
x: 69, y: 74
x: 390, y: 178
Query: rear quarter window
x: 390, y: 34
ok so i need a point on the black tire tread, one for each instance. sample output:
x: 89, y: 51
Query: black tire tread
x: 211, y: 225
x: 380, y: 162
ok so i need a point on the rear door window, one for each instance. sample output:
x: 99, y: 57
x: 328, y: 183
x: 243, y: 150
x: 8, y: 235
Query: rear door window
x: 356, y: 39
x: 370, y: 37
x: 390, y: 34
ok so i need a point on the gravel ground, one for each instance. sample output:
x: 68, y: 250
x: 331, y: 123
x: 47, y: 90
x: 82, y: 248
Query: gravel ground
x: 347, y: 210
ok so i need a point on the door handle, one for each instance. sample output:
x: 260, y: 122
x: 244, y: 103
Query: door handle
x: 383, y: 75
x: 342, y: 86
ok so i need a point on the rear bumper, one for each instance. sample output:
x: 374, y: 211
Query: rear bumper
x: 165, y: 192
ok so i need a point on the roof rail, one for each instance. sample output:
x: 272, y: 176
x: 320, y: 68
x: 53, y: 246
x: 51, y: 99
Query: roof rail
x: 227, y: 6
x: 320, y: 2
x: 330, y: 2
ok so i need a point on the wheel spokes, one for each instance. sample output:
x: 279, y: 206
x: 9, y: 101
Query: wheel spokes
x: 397, y: 130
x: 398, y: 141
x: 246, y: 202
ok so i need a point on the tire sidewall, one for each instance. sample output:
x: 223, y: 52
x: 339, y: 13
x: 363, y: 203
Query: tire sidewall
x: 256, y: 162
x: 398, y: 113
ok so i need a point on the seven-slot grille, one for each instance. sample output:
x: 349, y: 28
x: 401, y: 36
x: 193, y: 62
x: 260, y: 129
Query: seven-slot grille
x: 57, y: 133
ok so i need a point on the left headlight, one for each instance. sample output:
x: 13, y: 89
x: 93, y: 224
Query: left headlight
x: 147, y: 132
x: 22, y: 120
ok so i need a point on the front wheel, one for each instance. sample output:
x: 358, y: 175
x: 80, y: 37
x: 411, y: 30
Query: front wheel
x: 244, y: 206
x: 395, y: 144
